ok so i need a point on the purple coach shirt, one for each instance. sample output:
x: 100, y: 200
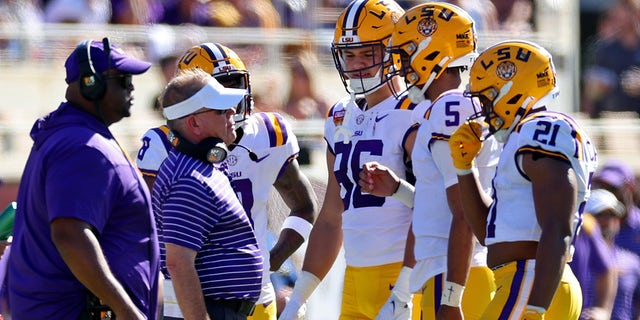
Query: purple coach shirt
x: 76, y: 169
x: 196, y: 208
x: 592, y: 257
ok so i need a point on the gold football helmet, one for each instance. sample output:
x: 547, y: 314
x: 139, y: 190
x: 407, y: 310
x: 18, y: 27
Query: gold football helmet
x: 364, y: 24
x: 428, y: 39
x: 510, y: 79
x: 223, y: 64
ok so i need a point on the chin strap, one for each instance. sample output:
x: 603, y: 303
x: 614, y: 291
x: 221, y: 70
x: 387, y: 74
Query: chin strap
x: 519, y: 114
x: 417, y: 95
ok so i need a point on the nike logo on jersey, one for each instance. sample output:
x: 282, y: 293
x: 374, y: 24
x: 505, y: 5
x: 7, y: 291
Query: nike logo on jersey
x: 382, y: 117
x: 262, y: 158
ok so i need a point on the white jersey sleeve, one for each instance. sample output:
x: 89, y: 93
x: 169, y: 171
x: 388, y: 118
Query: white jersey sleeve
x: 155, y: 148
x: 512, y: 215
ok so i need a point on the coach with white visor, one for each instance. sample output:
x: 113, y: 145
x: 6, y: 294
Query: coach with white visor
x: 208, y: 249
x: 201, y: 116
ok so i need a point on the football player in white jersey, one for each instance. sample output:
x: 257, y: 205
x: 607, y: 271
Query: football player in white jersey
x: 436, y: 42
x: 264, y: 154
x: 368, y: 125
x: 540, y: 187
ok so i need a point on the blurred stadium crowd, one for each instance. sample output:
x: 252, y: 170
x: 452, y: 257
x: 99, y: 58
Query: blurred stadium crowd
x: 286, y: 45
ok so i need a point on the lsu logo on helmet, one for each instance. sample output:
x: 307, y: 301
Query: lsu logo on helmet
x: 506, y: 70
x: 511, y: 78
x: 427, y: 40
x: 426, y: 27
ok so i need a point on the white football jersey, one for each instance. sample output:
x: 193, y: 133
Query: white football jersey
x: 512, y: 215
x: 434, y: 171
x: 155, y: 148
x: 270, y: 137
x: 375, y: 228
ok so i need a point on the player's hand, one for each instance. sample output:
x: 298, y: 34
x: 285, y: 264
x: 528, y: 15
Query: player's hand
x: 446, y: 312
x: 378, y: 180
x: 293, y: 310
x: 465, y: 145
x: 395, y: 309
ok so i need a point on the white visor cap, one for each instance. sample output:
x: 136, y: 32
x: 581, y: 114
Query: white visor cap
x: 212, y: 96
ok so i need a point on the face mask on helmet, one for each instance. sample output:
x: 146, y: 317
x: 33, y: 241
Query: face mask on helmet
x: 364, y: 67
x: 225, y: 65
x: 428, y: 39
x: 511, y: 79
x: 362, y: 32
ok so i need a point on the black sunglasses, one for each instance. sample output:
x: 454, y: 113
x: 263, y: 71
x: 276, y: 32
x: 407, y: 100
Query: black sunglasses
x: 125, y: 80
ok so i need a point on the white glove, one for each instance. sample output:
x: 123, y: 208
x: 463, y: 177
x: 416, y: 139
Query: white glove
x: 302, y: 290
x: 399, y: 304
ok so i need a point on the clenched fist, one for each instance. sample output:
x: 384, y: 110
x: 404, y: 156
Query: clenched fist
x: 465, y: 145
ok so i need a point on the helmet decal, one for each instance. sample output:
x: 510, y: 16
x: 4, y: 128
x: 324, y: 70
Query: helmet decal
x: 427, y: 27
x: 506, y: 70
x: 427, y: 40
x: 351, y: 20
x: 512, y: 78
x: 219, y: 57
x: 545, y: 78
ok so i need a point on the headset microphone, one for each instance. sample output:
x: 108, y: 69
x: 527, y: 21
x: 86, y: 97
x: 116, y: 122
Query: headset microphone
x: 252, y: 155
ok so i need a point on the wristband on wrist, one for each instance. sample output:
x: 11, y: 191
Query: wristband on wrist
x: 452, y: 294
x: 405, y: 193
x: 304, y: 286
x: 464, y: 172
x: 299, y: 225
x: 401, y: 287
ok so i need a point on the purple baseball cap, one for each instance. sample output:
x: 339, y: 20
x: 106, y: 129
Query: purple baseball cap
x: 616, y: 173
x: 101, y: 62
